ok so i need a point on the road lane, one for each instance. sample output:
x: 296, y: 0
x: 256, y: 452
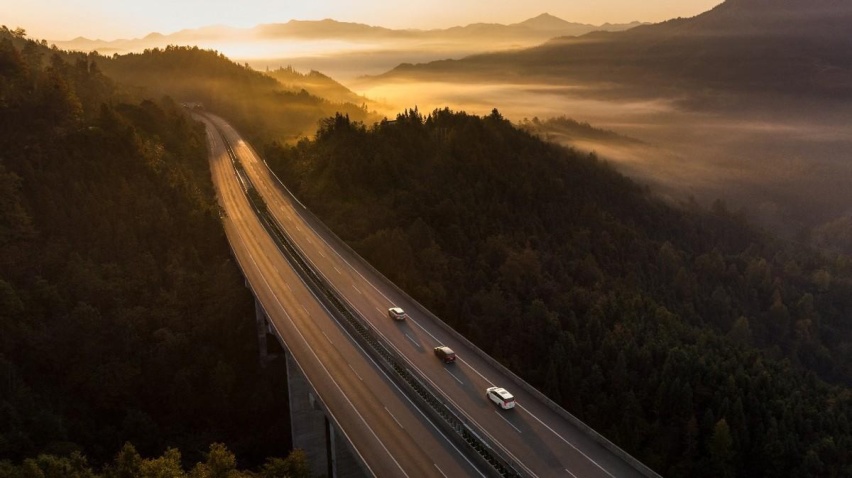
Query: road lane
x: 356, y: 392
x: 551, y: 445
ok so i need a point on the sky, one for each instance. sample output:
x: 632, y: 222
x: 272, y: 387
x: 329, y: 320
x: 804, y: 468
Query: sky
x: 113, y: 19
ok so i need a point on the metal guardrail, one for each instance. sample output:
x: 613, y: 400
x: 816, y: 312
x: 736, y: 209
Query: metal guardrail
x: 593, y: 434
x: 462, y: 431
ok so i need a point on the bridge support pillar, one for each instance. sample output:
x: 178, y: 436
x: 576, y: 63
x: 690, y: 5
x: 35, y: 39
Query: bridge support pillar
x: 307, y: 420
x: 263, y: 331
x: 344, y: 464
x: 328, y: 453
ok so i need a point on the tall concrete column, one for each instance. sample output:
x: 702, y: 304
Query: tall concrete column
x: 260, y: 320
x: 307, y: 421
x: 343, y: 462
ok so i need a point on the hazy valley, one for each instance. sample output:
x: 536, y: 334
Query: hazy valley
x: 346, y: 50
x: 741, y: 103
x: 756, y: 126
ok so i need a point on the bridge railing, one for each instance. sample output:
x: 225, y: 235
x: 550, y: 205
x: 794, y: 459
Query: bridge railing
x: 474, y: 441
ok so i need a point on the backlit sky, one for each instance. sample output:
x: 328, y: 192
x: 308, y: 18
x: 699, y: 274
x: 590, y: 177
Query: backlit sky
x: 112, y: 19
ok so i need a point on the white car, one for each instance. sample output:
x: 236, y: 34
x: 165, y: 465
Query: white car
x: 501, y: 397
x: 396, y: 313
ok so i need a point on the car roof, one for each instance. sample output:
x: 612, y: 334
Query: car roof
x: 502, y: 392
x: 396, y: 310
x: 446, y: 349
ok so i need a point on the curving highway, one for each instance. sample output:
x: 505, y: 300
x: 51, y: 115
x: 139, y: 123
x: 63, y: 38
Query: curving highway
x: 387, y: 431
x: 385, y: 428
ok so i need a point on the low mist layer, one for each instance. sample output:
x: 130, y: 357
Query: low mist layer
x: 748, y: 103
x: 347, y: 50
x: 785, y: 166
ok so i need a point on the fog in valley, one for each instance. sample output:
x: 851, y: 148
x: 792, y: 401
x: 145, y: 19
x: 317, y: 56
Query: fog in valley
x: 787, y: 168
x: 346, y: 50
x: 700, y: 131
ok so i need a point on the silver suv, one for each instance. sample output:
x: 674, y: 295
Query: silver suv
x: 501, y: 397
x: 396, y: 313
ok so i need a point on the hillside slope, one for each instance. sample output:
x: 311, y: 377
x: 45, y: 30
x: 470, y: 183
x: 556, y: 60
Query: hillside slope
x: 687, y: 337
x: 256, y: 102
x: 122, y: 315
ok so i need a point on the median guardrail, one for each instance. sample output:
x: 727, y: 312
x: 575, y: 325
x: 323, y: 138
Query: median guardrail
x: 462, y: 431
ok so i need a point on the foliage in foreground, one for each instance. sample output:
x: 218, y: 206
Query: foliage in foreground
x: 122, y: 314
x: 219, y: 462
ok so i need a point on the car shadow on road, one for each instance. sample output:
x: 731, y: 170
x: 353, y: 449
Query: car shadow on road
x: 521, y: 420
x: 464, y: 380
x: 411, y: 336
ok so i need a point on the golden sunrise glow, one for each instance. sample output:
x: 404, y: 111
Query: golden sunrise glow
x: 96, y: 19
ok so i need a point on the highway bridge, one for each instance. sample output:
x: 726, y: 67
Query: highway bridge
x: 368, y: 397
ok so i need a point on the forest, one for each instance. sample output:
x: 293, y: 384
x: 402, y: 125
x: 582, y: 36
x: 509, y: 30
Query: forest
x: 701, y: 345
x: 123, y: 318
x: 257, y: 103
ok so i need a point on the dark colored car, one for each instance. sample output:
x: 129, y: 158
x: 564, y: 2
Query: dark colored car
x: 445, y: 353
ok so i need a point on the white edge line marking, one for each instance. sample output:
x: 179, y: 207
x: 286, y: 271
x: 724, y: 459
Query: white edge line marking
x: 394, y: 418
x: 452, y: 375
x: 566, y: 441
x: 507, y: 421
x: 355, y: 372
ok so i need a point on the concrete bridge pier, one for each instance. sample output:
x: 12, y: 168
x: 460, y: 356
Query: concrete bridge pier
x: 264, y: 331
x: 329, y: 453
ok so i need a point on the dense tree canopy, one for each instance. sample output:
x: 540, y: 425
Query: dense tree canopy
x: 700, y: 345
x: 217, y: 462
x: 257, y: 103
x: 122, y: 314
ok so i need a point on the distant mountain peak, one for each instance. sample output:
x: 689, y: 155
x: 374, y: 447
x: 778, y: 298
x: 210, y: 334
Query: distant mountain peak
x: 545, y: 17
x: 545, y: 21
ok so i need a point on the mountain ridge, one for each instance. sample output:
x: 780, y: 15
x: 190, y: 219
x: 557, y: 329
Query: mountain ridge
x: 542, y: 27
x: 786, y: 47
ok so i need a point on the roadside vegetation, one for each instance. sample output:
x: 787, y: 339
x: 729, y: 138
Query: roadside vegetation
x: 123, y: 317
x: 702, y: 346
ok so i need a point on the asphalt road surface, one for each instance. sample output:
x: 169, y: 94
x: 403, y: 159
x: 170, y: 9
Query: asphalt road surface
x: 389, y: 433
x: 533, y: 434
